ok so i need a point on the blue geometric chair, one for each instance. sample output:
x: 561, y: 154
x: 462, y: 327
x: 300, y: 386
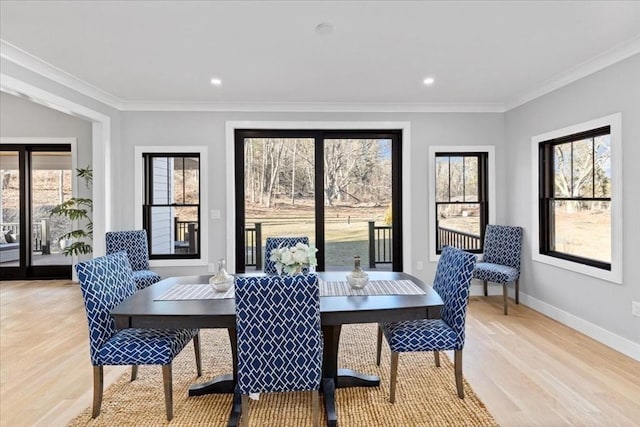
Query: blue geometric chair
x: 105, y: 282
x: 453, y: 277
x: 278, y: 242
x: 279, y: 339
x: 134, y: 243
x: 501, y: 259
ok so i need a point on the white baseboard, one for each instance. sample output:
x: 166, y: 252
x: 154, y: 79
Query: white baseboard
x: 608, y: 338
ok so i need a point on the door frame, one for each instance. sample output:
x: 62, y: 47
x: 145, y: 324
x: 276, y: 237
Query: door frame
x: 40, y: 271
x: 231, y: 126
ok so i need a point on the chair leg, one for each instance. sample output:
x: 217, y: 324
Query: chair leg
x: 196, y: 347
x: 505, y: 296
x: 484, y: 283
x: 134, y: 372
x: 98, y: 383
x: 393, y: 377
x: 457, y: 355
x: 436, y: 355
x: 168, y: 390
x: 518, y: 291
x: 315, y: 407
x: 379, y: 347
x: 245, y: 410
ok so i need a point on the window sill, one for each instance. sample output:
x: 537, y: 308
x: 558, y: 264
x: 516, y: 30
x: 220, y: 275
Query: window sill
x: 615, y: 275
x: 177, y: 263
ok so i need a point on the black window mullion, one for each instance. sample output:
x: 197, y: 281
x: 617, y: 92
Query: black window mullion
x: 547, y: 196
x: 149, y: 202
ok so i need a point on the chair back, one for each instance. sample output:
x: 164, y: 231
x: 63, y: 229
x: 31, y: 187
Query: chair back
x: 279, y: 242
x: 105, y: 282
x: 134, y: 243
x: 452, y: 281
x: 279, y: 339
x: 503, y: 245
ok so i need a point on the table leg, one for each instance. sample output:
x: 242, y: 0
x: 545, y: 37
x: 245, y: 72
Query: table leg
x: 338, y: 378
x: 329, y: 394
x: 223, y: 383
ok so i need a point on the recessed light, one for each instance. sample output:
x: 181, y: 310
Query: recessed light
x: 429, y: 81
x: 216, y: 81
x: 324, y: 28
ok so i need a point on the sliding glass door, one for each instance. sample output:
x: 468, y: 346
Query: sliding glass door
x: 341, y: 189
x: 35, y: 178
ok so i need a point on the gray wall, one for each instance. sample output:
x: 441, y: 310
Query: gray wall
x: 208, y: 128
x: 20, y: 117
x: 604, y: 304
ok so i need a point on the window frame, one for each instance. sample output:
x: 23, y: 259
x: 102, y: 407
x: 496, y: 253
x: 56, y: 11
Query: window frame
x: 489, y: 188
x: 319, y: 136
x: 541, y: 220
x: 174, y: 260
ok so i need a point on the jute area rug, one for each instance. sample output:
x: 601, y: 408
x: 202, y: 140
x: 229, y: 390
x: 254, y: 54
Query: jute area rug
x: 425, y: 395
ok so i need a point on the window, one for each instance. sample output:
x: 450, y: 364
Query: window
x: 575, y: 197
x: 461, y: 201
x: 578, y: 208
x: 171, y: 210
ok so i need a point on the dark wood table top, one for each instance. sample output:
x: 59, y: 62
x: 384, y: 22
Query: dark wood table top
x: 142, y: 311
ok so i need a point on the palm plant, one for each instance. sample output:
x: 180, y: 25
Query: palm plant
x: 78, y: 209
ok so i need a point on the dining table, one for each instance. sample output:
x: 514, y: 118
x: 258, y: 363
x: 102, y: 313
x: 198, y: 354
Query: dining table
x: 178, y: 302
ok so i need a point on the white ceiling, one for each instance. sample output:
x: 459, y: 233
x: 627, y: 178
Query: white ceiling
x: 482, y: 53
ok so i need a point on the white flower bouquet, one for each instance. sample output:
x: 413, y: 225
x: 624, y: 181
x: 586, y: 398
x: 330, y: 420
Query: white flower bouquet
x: 292, y: 260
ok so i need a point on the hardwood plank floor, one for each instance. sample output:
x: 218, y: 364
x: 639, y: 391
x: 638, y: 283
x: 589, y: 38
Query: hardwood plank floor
x: 528, y: 369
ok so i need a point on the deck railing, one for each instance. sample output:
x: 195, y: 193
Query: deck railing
x: 40, y: 234
x: 186, y: 233
x: 253, y: 246
x: 458, y: 239
x: 380, y: 244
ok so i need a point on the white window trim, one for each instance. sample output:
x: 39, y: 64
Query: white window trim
x: 615, y: 275
x: 405, y: 127
x: 204, y: 201
x: 433, y: 150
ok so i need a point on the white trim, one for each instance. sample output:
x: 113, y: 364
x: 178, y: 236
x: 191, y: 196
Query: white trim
x: 101, y: 149
x: 231, y: 126
x: 615, y: 275
x: 491, y: 164
x: 30, y: 62
x: 608, y: 338
x: 138, y: 195
x: 316, y: 107
x: 618, y: 53
x: 73, y: 142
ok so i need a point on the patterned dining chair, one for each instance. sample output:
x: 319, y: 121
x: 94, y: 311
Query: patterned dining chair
x: 452, y: 281
x: 279, y: 339
x: 134, y: 243
x: 280, y: 242
x: 105, y: 282
x: 501, y: 259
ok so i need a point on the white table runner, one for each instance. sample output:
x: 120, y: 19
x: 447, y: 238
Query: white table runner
x: 182, y: 292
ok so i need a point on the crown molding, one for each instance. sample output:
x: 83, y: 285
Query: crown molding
x: 32, y: 63
x: 317, y: 107
x: 616, y: 54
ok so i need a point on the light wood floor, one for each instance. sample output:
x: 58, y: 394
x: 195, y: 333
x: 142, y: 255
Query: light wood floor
x: 528, y: 369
